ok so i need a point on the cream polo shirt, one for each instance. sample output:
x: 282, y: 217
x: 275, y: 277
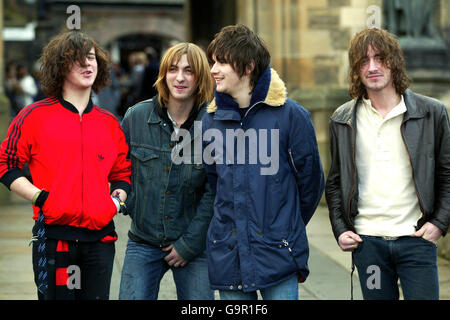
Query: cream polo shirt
x: 387, y: 203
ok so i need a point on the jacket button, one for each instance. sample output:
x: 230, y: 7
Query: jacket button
x: 214, y: 241
x: 168, y: 192
x: 166, y: 217
x: 231, y: 287
x: 239, y: 287
x: 168, y: 168
x: 171, y: 145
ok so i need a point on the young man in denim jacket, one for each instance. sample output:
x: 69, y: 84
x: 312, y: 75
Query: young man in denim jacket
x: 171, y: 203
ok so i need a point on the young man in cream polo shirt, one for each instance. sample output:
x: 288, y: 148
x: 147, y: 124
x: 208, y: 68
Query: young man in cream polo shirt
x: 388, y: 189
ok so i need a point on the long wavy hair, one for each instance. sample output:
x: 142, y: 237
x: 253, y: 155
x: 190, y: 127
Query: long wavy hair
x: 198, y: 62
x: 61, y: 53
x: 390, y: 52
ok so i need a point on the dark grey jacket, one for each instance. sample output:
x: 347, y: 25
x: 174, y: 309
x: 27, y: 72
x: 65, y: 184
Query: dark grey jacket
x: 426, y: 133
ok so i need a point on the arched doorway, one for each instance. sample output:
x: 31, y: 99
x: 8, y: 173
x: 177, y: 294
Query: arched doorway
x: 135, y: 58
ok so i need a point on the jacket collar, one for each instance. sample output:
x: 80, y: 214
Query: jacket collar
x: 155, y: 116
x: 71, y: 107
x: 269, y: 89
x: 347, y: 113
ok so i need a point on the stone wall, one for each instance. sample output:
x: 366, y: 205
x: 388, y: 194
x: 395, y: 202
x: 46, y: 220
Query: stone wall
x: 106, y: 24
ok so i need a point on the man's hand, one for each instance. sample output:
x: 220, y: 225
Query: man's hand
x: 429, y: 232
x: 173, y: 259
x: 348, y: 241
x: 120, y: 193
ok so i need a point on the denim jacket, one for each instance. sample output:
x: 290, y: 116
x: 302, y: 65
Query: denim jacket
x: 169, y: 203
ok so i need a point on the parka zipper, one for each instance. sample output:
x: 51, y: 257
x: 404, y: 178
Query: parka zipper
x: 252, y: 108
x: 82, y: 168
x: 292, y: 160
x: 286, y: 244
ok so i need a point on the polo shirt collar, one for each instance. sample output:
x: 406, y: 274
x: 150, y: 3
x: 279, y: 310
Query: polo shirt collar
x: 399, y: 109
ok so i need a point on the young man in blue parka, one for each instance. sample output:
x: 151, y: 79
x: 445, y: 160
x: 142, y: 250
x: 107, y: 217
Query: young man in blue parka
x: 261, y: 157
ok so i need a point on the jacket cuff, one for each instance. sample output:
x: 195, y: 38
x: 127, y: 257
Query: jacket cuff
x: 125, y: 186
x: 10, y: 176
x: 441, y: 226
x: 339, y: 229
x: 183, y: 250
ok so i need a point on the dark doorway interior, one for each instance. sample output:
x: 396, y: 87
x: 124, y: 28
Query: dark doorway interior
x: 208, y: 17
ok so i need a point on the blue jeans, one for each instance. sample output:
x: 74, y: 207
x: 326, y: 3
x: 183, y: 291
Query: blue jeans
x: 381, y: 263
x: 144, y: 267
x: 286, y: 290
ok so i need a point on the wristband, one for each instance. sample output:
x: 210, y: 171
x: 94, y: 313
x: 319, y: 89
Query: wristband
x: 116, y: 201
x: 40, y: 199
x: 120, y: 205
x: 33, y: 201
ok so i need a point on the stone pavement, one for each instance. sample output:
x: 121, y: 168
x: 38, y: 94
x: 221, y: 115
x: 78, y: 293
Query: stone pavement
x: 329, y: 267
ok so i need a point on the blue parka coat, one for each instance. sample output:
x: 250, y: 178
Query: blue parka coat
x: 257, y: 237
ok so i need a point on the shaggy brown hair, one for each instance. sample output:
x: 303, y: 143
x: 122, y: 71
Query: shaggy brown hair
x: 200, y: 68
x: 390, y: 52
x: 240, y: 47
x: 59, y: 55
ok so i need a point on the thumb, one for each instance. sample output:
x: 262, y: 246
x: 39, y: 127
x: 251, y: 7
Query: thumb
x: 355, y: 237
x: 419, y: 233
x: 358, y: 238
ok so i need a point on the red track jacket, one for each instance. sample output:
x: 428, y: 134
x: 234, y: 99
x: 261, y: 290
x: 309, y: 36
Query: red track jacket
x: 72, y: 157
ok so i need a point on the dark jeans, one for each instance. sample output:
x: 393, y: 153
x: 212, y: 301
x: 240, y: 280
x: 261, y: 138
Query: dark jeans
x: 144, y: 267
x: 381, y: 263
x: 95, y: 261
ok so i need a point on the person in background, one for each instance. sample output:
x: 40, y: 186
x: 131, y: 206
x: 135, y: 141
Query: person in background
x: 27, y: 87
x: 147, y: 89
x: 11, y: 86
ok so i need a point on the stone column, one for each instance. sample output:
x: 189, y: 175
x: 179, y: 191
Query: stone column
x: 4, y: 110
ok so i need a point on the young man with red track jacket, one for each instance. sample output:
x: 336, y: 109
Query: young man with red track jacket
x: 76, y: 153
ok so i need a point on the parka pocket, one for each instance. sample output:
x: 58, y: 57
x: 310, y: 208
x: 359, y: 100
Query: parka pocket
x: 223, y: 259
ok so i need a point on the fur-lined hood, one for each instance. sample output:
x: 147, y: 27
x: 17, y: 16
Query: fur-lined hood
x: 270, y: 90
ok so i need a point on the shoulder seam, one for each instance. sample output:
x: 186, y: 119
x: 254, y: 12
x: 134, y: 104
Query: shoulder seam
x: 12, y: 160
